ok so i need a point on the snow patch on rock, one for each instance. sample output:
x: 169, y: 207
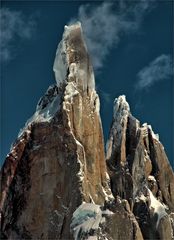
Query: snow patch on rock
x: 60, y: 66
x: 146, y: 128
x: 156, y: 208
x: 46, y: 108
x: 87, y: 219
x: 46, y: 114
x: 121, y: 106
x: 121, y: 111
x: 70, y: 91
x: 155, y: 136
x: 151, y: 178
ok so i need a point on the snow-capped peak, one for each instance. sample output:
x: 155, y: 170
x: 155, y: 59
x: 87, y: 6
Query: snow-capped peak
x: 121, y: 106
x: 72, y: 60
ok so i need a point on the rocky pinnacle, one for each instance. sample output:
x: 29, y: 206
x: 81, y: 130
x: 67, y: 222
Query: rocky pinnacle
x: 57, y: 183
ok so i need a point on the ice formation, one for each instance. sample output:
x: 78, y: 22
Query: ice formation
x: 156, y: 208
x: 46, y: 108
x: 60, y: 66
x: 88, y: 217
x: 72, y: 61
x: 121, y: 111
x: 121, y: 106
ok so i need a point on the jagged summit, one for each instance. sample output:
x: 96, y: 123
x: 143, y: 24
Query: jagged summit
x: 121, y: 106
x: 72, y: 63
x: 56, y: 182
x: 73, y: 74
x: 121, y: 111
x: 140, y: 172
x: 58, y: 161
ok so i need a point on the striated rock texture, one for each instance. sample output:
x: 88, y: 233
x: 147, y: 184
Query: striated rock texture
x: 140, y: 172
x: 56, y: 182
x: 58, y: 160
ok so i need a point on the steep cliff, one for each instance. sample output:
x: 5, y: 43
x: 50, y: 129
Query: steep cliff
x: 56, y: 182
x: 140, y: 172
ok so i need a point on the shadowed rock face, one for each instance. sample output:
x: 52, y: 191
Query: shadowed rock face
x: 54, y: 181
x: 58, y: 160
x: 140, y: 172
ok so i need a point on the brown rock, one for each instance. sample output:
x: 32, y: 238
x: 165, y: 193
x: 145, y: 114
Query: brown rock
x: 162, y: 170
x: 54, y: 182
x: 146, y: 168
x: 62, y: 164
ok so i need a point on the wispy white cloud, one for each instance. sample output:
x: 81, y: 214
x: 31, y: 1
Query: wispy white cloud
x: 105, y: 24
x: 13, y: 26
x: 159, y: 69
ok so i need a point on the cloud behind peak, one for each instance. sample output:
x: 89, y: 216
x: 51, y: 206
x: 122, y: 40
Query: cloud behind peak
x: 104, y: 25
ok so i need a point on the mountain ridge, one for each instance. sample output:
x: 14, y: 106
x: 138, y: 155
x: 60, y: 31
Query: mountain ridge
x: 57, y: 183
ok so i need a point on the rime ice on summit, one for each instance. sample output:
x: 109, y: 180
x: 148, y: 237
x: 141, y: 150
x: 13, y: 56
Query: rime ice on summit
x: 72, y: 58
x: 56, y: 182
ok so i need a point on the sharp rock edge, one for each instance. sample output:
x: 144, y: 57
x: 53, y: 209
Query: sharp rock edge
x: 56, y: 182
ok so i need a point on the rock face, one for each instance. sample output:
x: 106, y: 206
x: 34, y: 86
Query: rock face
x: 56, y: 182
x: 140, y: 172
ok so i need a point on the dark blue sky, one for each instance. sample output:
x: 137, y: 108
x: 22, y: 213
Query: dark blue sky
x: 28, y: 73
